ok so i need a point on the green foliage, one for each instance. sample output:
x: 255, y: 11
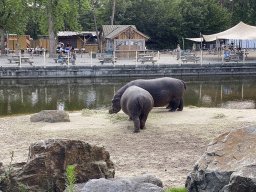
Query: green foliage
x: 70, y: 178
x: 166, y: 22
x: 5, y: 177
x: 176, y: 190
x: 22, y: 188
x: 13, y: 15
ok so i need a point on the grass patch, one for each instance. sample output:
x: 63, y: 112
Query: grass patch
x: 5, y: 177
x: 192, y: 107
x: 117, y: 117
x: 71, y: 178
x: 219, y: 116
x: 176, y: 190
x: 90, y: 112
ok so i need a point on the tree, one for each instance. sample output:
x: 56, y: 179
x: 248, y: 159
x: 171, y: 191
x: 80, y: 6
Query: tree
x: 244, y: 10
x: 13, y: 18
x: 58, y: 15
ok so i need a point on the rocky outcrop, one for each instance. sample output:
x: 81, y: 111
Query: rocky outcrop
x: 228, y: 165
x: 51, y: 116
x: 45, y: 169
x: 142, y: 183
x: 248, y: 104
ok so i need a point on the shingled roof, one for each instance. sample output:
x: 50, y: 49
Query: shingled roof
x: 112, y: 31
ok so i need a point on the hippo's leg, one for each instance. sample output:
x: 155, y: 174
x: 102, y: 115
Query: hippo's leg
x: 181, y: 105
x: 136, y: 121
x: 143, y: 119
x: 169, y: 106
x: 174, y: 106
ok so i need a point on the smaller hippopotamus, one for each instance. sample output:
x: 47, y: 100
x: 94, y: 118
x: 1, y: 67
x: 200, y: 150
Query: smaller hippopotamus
x: 137, y: 103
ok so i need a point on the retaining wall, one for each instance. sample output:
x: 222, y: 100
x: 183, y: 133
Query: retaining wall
x: 128, y: 71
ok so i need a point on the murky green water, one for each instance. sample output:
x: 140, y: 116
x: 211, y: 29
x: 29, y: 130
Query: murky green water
x: 33, y: 95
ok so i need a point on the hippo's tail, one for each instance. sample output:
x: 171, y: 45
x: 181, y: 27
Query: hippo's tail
x: 140, y: 103
x: 185, y: 86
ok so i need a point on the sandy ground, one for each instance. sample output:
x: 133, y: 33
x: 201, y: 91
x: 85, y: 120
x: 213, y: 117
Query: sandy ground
x: 168, y: 148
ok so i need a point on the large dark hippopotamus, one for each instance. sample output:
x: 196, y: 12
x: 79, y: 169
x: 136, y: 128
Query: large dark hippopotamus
x: 137, y: 103
x: 164, y: 91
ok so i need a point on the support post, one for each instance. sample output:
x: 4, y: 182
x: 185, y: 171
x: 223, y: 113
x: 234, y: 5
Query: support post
x: 91, y: 57
x: 158, y: 57
x: 68, y: 57
x: 136, y: 57
x: 44, y: 59
x: 20, y: 58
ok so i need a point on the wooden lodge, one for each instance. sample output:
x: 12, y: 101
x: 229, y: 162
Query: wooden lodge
x: 84, y: 40
x: 123, y: 40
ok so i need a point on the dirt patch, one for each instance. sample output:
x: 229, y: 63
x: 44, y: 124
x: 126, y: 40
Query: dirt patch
x: 168, y: 148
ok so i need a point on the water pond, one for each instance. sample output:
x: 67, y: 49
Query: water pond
x: 23, y: 96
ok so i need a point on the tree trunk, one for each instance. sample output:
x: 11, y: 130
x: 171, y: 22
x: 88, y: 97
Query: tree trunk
x: 113, y: 12
x: 96, y: 28
x: 52, y: 50
x: 2, y: 41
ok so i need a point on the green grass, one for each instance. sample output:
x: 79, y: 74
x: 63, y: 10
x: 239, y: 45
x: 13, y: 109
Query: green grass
x: 219, y: 116
x: 70, y: 178
x: 176, y: 190
x: 90, y: 112
x: 117, y: 117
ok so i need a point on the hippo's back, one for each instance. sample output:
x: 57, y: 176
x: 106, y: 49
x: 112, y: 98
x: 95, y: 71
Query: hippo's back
x: 163, y: 90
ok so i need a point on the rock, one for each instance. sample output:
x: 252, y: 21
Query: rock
x: 45, y: 169
x: 242, y: 181
x: 51, y: 116
x: 134, y: 184
x: 248, y: 104
x: 228, y: 165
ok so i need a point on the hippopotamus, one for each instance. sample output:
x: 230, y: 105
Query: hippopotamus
x: 137, y: 103
x: 164, y: 91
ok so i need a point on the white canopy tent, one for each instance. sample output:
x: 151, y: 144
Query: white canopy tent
x: 195, y: 39
x: 240, y: 31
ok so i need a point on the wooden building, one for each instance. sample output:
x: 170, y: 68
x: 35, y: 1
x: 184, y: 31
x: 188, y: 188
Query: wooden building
x: 18, y: 42
x: 84, y: 39
x: 124, y: 40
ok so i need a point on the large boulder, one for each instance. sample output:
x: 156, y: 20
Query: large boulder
x: 51, y: 116
x: 142, y: 183
x: 48, y: 159
x: 228, y: 165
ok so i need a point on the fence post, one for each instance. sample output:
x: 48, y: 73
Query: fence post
x: 44, y: 59
x: 136, y: 57
x: 91, y: 57
x: 20, y: 58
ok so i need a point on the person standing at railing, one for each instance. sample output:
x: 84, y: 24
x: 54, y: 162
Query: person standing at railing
x: 178, y: 52
x: 73, y: 57
x: 227, y: 54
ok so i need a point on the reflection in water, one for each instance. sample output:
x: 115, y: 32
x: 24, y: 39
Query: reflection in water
x: 30, y: 96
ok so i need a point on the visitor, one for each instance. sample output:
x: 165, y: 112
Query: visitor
x: 232, y: 46
x: 73, y: 56
x: 226, y: 54
x: 178, y: 52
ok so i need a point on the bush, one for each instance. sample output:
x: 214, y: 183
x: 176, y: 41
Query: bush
x: 177, y: 190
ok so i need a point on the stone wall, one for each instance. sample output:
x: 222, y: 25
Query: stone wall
x: 127, y: 71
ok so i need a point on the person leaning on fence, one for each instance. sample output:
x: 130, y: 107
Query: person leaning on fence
x: 73, y: 57
x: 178, y: 52
x: 226, y: 54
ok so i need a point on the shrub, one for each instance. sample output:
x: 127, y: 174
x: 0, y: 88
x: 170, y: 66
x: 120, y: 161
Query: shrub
x: 177, y: 190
